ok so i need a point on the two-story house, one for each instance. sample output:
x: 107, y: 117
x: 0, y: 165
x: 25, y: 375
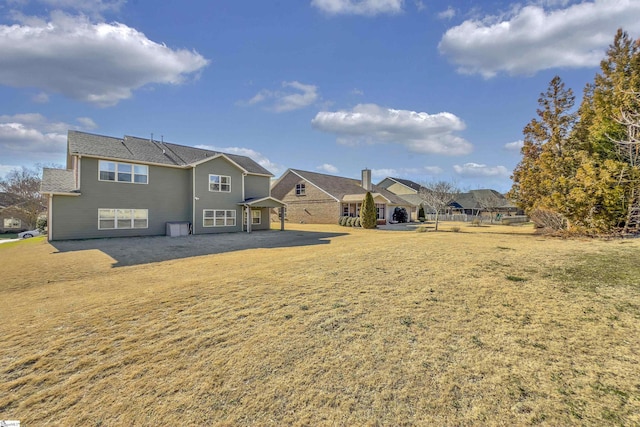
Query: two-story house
x: 118, y: 187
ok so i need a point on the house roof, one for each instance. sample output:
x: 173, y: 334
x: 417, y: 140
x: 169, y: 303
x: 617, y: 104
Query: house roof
x: 407, y: 183
x: 57, y: 181
x: 339, y: 187
x: 145, y: 150
x: 471, y: 200
x: 8, y: 199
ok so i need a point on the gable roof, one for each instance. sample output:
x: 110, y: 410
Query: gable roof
x: 471, y: 199
x: 407, y: 183
x: 338, y: 187
x: 144, y: 150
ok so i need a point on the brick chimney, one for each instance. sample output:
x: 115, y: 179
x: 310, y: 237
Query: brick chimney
x: 366, y: 179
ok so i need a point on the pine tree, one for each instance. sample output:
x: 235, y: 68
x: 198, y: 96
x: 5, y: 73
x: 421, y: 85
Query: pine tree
x: 542, y: 180
x: 368, y: 212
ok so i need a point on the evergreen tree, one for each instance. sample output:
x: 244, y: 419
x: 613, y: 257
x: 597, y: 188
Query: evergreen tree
x: 368, y: 212
x: 542, y: 180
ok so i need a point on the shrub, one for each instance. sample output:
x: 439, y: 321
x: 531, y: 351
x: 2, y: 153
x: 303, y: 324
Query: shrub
x: 368, y: 212
x: 357, y: 222
x: 421, y: 229
x: 455, y: 229
x: 476, y: 222
x: 421, y: 215
x: 400, y: 214
x: 343, y: 220
x: 350, y: 221
x: 41, y: 224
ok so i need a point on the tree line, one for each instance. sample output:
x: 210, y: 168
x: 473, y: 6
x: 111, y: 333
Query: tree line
x: 580, y: 169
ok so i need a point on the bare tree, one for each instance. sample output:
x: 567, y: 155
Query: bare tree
x: 24, y: 184
x: 437, y: 195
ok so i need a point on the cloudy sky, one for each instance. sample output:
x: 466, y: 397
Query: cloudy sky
x: 416, y: 89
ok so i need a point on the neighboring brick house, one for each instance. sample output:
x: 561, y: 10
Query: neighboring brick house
x: 317, y: 198
x: 119, y: 187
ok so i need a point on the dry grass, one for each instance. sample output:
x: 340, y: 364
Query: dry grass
x: 486, y: 326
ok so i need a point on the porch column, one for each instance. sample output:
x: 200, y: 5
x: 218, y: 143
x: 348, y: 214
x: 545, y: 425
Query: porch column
x: 282, y: 218
x: 248, y: 209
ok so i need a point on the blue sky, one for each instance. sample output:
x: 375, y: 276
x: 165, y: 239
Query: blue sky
x: 417, y: 89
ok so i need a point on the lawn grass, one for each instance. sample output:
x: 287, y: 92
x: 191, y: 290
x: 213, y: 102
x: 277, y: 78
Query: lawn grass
x: 486, y: 326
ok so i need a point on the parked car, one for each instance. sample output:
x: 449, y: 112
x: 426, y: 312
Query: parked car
x: 27, y: 234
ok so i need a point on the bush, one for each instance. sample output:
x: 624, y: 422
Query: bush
x: 400, y: 214
x: 343, y: 220
x: 41, y: 224
x: 421, y: 215
x: 357, y: 222
x: 455, y: 229
x: 350, y: 221
x: 476, y: 222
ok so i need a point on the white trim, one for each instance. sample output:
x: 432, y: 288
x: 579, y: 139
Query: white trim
x: 187, y: 166
x: 49, y: 218
x: 226, y: 218
x: 193, y: 203
x: 58, y: 193
x: 115, y: 219
x: 220, y: 184
x: 116, y: 172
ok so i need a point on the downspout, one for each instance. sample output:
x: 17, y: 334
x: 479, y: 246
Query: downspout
x: 49, y: 218
x: 248, y: 210
x: 193, y: 200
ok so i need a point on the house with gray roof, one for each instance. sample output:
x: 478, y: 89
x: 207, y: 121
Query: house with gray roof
x: 130, y: 186
x: 317, y: 198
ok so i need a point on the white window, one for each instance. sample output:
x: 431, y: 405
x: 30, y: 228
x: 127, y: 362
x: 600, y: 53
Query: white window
x: 111, y: 219
x: 300, y: 189
x: 123, y: 172
x: 218, y: 218
x: 12, y: 223
x: 380, y: 208
x: 220, y: 183
x: 256, y: 217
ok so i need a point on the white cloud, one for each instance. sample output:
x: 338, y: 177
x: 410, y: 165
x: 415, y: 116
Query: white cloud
x: 5, y: 169
x: 533, y: 38
x: 97, y: 63
x: 514, y: 146
x: 383, y: 173
x: 479, y: 170
x: 447, y: 14
x: 359, y: 7
x: 258, y: 157
x: 30, y: 138
x: 418, y: 132
x: 326, y: 167
x: 286, y: 100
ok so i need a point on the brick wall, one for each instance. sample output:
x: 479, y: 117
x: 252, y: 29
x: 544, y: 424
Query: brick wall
x: 315, y: 207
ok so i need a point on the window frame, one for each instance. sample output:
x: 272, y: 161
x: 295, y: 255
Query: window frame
x: 227, y: 220
x: 117, y: 172
x: 301, y: 189
x: 131, y: 216
x: 220, y: 183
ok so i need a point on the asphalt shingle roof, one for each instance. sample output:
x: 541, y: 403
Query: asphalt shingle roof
x: 339, y: 187
x: 413, y: 185
x: 57, y: 181
x: 144, y: 150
